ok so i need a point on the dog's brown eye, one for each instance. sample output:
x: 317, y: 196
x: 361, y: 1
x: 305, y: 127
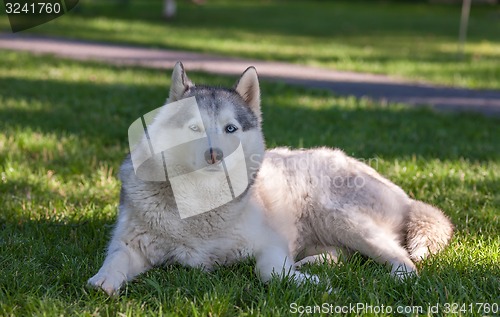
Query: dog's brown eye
x: 194, y: 128
x: 231, y: 128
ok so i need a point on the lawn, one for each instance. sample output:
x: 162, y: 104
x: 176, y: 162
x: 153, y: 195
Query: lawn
x: 63, y: 134
x: 410, y: 40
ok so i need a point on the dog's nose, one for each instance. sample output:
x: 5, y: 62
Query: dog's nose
x: 213, y: 155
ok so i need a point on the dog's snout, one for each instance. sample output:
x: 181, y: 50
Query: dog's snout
x: 213, y: 155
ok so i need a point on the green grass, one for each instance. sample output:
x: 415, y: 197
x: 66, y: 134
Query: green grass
x: 410, y: 40
x: 63, y: 134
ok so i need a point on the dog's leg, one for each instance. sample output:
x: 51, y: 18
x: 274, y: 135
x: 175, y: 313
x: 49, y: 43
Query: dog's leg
x: 320, y: 255
x: 276, y: 261
x: 373, y: 241
x: 122, y: 264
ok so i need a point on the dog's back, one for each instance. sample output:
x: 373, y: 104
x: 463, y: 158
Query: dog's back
x: 321, y: 199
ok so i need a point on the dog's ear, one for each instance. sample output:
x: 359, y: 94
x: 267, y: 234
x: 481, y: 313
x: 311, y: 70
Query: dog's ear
x: 180, y: 83
x: 248, y: 88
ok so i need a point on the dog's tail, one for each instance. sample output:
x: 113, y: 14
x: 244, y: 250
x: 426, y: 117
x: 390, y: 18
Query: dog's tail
x: 428, y: 230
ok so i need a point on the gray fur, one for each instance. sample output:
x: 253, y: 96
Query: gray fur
x: 298, y: 205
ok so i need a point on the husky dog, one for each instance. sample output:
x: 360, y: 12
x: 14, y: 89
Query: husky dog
x: 297, y: 206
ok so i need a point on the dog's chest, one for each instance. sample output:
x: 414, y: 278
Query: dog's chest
x: 202, y: 241
x: 209, y: 252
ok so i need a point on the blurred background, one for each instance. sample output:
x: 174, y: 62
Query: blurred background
x: 412, y: 39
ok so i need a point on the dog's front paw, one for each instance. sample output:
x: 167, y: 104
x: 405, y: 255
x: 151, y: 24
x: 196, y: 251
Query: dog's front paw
x: 110, y: 283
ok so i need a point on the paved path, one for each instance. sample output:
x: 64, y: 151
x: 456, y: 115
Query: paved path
x: 377, y: 87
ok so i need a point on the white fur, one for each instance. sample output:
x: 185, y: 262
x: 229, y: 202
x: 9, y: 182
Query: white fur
x: 302, y: 204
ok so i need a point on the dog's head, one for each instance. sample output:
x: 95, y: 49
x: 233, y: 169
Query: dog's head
x: 204, y: 139
x: 210, y: 123
x: 201, y: 127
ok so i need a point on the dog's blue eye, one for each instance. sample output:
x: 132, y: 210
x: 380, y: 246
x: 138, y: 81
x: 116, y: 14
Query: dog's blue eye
x: 194, y: 127
x: 231, y: 128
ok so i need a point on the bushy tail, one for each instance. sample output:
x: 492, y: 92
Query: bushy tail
x: 428, y: 230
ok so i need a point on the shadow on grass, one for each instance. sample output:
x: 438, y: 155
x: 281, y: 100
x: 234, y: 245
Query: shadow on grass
x: 20, y: 196
x: 94, y: 111
x: 352, y: 24
x: 43, y: 257
x: 323, y: 19
x: 101, y: 114
x: 44, y: 253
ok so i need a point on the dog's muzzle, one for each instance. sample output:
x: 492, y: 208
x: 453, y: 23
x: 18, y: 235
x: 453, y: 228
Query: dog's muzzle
x: 214, y: 155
